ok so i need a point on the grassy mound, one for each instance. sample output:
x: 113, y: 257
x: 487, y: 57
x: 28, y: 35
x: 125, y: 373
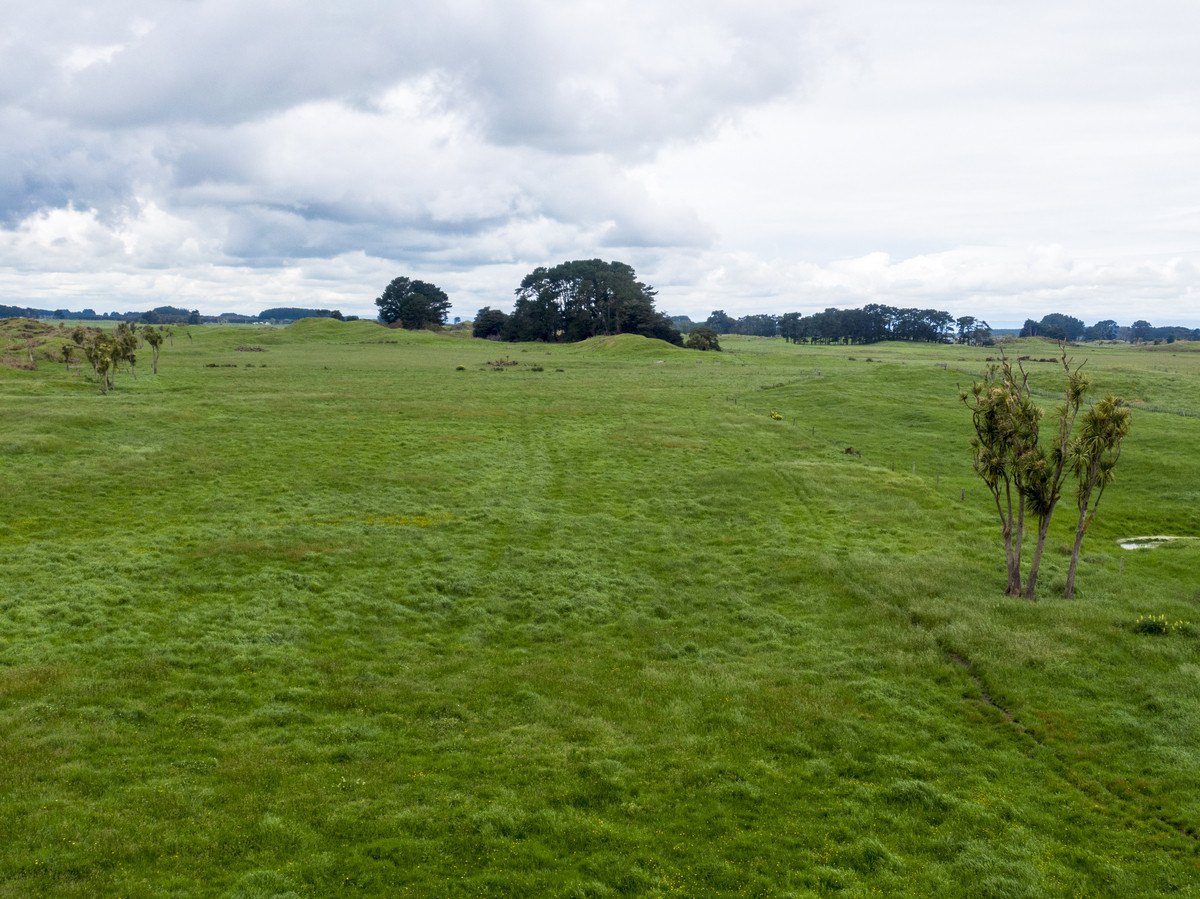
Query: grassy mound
x: 626, y: 346
x: 25, y: 344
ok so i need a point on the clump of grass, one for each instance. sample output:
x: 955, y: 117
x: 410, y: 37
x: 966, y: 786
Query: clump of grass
x: 1158, y: 625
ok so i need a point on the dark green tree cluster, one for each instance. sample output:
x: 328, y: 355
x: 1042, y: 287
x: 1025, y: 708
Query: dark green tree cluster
x: 973, y: 331
x: 870, y: 324
x: 721, y: 322
x: 1056, y: 326
x: 576, y: 300
x: 295, y: 313
x: 702, y: 337
x: 1103, y: 330
x: 1142, y: 330
x: 489, y: 324
x: 758, y: 325
x: 413, y: 304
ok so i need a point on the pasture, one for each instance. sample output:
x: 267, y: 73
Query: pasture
x: 357, y: 613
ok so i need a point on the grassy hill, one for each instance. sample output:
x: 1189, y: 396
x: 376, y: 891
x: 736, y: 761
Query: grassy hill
x: 339, y: 609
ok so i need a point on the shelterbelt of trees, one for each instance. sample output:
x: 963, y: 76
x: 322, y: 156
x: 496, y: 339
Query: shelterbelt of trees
x: 1065, y: 327
x: 174, y: 315
x: 870, y: 324
x: 876, y: 322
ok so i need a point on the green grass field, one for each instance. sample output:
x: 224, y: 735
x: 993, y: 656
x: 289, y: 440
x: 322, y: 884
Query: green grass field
x: 338, y: 618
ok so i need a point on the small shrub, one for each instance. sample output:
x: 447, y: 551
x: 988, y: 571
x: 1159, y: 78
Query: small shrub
x: 536, y: 368
x: 1158, y: 625
x: 460, y: 368
x: 775, y: 416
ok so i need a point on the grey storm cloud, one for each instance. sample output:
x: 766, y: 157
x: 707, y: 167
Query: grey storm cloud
x: 560, y: 76
x: 232, y: 105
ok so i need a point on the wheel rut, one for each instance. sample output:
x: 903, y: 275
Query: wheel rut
x: 1088, y: 786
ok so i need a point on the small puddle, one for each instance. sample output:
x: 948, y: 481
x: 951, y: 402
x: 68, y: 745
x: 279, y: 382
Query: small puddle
x: 1146, y: 542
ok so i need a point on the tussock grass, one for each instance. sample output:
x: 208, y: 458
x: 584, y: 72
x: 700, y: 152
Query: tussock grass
x: 358, y: 621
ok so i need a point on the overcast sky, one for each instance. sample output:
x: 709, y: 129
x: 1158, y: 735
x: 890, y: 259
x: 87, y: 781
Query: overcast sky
x: 999, y: 159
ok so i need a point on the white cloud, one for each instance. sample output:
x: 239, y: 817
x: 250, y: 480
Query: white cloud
x: 1001, y: 160
x: 1000, y: 284
x: 85, y: 57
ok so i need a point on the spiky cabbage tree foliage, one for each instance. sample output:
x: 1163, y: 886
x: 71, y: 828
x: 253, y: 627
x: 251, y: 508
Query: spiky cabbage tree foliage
x: 1006, y: 426
x: 101, y: 350
x: 127, y: 344
x: 154, y: 337
x: 1094, y: 455
x: 1047, y: 467
x: 1023, y: 476
x: 105, y: 351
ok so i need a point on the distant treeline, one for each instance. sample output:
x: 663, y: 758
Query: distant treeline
x: 1066, y: 327
x: 173, y: 315
x: 581, y: 299
x: 870, y: 324
x: 876, y: 322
